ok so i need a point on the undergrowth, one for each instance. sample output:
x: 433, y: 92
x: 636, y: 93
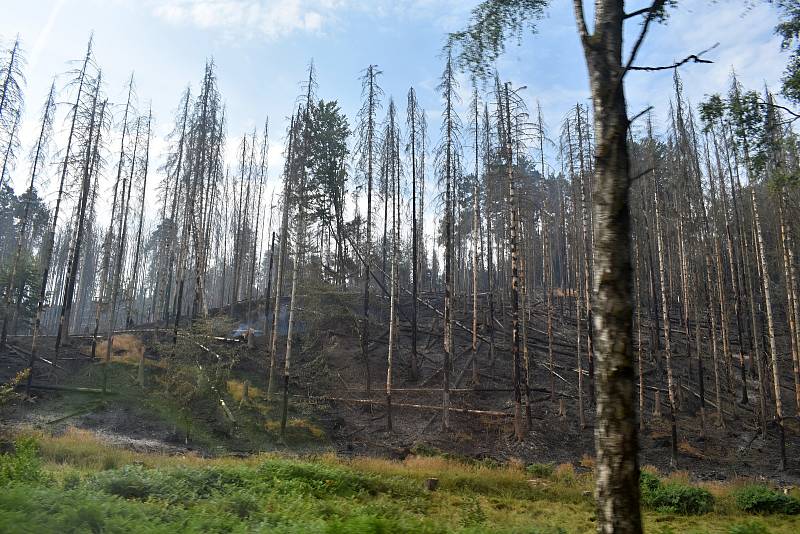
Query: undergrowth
x: 69, y: 484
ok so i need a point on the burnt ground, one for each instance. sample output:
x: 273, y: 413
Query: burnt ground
x: 328, y: 388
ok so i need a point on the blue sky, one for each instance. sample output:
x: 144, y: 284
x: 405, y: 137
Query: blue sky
x: 262, y: 49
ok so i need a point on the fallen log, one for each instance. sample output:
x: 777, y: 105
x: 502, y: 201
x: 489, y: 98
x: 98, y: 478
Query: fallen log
x: 405, y: 405
x: 71, y: 389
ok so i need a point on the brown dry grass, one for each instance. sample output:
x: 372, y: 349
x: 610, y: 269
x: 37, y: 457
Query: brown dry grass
x: 236, y: 389
x: 587, y: 461
x: 298, y: 428
x: 687, y: 449
x: 127, y: 349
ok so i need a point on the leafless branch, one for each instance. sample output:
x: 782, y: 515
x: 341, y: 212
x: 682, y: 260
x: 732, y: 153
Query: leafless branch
x: 638, y: 12
x: 641, y: 113
x: 652, y: 10
x: 794, y: 114
x: 692, y: 58
x: 641, y: 174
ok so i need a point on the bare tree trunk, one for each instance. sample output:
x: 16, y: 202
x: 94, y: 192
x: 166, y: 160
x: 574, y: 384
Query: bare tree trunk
x: 412, y: 119
x: 118, y: 270
x: 791, y: 295
x: 639, y: 333
x: 475, y: 239
x: 615, y: 432
x: 281, y: 256
x: 371, y: 105
x: 667, y: 331
x: 395, y: 185
x: 587, y: 276
x: 298, y: 253
x: 74, y: 261
x: 773, y: 351
x: 546, y: 255
x: 137, y: 251
x: 520, y: 429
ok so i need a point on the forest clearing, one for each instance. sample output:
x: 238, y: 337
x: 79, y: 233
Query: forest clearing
x: 413, y: 307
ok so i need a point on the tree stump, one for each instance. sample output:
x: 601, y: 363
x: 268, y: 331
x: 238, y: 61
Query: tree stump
x: 431, y: 484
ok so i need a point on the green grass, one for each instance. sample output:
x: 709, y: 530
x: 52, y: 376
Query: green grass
x: 77, y: 483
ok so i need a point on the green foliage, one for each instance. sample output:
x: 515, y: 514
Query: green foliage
x: 712, y: 110
x: 763, y: 500
x: 26, y: 284
x: 23, y: 465
x: 492, y: 23
x: 748, y: 528
x: 789, y: 30
x: 8, y: 390
x: 474, y: 514
x: 674, y: 497
x: 423, y: 449
x: 540, y: 470
x: 326, y: 480
x: 320, y: 495
x: 193, y: 379
x: 328, y: 153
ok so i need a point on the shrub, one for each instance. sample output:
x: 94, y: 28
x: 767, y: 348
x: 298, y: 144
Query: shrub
x: 565, y: 474
x: 8, y: 391
x: 323, y: 480
x: 423, y: 449
x: 130, y: 482
x: 748, y: 528
x: 473, y: 513
x: 240, y: 504
x: 71, y: 480
x: 23, y: 465
x: 757, y: 499
x: 648, y: 482
x: 674, y: 497
x: 540, y: 470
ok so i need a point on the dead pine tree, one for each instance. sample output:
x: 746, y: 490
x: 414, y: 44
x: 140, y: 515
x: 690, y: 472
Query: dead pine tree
x: 394, y: 183
x: 13, y: 79
x: 370, y: 94
x: 119, y: 259
x: 577, y: 270
x: 487, y: 158
x: 475, y: 238
x: 773, y: 351
x: 80, y: 222
x: 412, y: 122
x: 11, y: 108
x: 300, y: 231
x: 132, y: 286
x: 81, y: 79
x: 447, y: 155
x: 102, y: 295
x: 288, y: 176
x: 667, y: 324
x: 520, y: 429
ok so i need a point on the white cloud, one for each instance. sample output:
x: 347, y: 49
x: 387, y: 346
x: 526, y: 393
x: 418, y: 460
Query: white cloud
x: 274, y: 19
x: 249, y: 18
